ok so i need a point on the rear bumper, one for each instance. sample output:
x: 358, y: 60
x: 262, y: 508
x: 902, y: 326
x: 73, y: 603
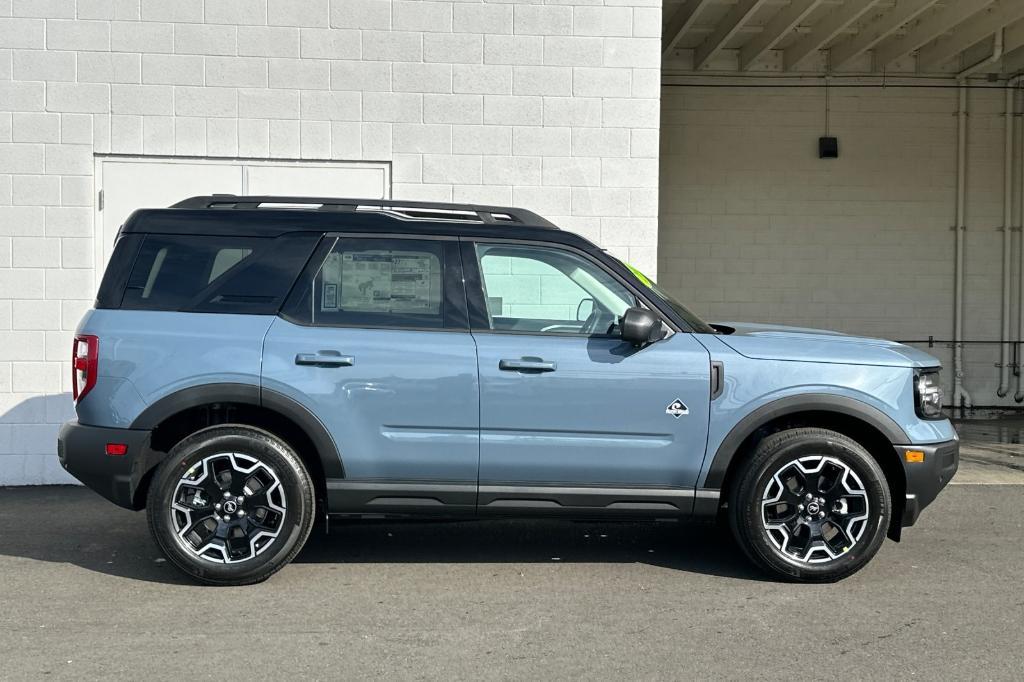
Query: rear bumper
x: 927, y: 478
x: 82, y: 452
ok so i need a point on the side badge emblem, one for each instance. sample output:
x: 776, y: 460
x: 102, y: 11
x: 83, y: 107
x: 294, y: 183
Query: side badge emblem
x: 677, y: 408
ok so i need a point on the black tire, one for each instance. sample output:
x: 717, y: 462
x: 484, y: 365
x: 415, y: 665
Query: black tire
x: 795, y: 548
x: 292, y: 492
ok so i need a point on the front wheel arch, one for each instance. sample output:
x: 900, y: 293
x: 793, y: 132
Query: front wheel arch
x: 730, y: 460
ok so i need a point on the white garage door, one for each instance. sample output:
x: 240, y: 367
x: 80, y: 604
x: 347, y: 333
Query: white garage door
x: 128, y: 183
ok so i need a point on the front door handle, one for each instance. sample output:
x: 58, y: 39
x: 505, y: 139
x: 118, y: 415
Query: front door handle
x: 325, y: 358
x: 527, y: 365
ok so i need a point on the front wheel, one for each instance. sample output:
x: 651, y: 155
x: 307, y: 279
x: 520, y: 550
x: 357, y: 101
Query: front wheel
x: 811, y: 505
x: 231, y: 505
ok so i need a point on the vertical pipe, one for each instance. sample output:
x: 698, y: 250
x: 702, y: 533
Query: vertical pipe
x: 1004, y: 338
x: 1019, y: 395
x: 960, y: 396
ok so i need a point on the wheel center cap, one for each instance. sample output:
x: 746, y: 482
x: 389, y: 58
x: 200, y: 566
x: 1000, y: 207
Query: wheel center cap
x: 812, y: 508
x: 230, y: 506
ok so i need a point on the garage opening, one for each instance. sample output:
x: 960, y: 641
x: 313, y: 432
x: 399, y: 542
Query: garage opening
x: 853, y: 166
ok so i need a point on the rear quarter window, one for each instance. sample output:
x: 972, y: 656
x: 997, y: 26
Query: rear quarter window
x: 175, y: 272
x: 215, y: 273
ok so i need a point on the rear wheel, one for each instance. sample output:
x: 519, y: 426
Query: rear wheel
x: 810, y: 505
x: 231, y: 505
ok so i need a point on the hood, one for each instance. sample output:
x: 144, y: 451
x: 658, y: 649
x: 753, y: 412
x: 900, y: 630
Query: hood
x: 772, y: 342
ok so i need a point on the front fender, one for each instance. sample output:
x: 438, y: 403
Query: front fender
x: 847, y: 406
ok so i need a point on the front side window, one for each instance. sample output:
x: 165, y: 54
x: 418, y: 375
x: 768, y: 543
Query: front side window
x: 547, y: 290
x: 376, y: 283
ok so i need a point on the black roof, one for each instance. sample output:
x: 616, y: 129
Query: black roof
x: 273, y: 216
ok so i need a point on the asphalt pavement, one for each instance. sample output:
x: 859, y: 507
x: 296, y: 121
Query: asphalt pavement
x: 84, y: 594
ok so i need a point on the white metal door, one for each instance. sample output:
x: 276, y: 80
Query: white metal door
x: 128, y: 183
x: 302, y: 180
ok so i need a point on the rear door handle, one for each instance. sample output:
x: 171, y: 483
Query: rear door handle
x: 527, y: 365
x: 325, y: 358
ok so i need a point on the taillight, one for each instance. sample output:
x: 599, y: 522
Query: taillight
x: 84, y: 358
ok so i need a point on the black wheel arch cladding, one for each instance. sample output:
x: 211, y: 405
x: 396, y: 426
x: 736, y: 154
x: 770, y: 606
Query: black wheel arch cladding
x: 208, y: 395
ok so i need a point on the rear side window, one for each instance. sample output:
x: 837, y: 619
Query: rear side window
x: 204, y: 273
x: 175, y: 272
x: 368, y: 282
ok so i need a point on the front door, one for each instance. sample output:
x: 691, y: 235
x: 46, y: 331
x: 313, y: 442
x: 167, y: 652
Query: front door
x: 375, y: 342
x: 571, y: 416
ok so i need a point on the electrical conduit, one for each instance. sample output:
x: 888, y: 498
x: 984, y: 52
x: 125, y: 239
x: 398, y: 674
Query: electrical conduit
x: 961, y: 397
x: 1004, y: 338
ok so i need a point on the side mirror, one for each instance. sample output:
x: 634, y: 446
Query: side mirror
x: 640, y: 327
x: 584, y: 310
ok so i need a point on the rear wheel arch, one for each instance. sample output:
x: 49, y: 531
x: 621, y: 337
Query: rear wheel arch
x: 185, y: 412
x: 872, y: 429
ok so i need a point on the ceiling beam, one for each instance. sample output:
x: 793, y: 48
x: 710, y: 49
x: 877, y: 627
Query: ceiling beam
x: 825, y: 31
x: 1013, y: 62
x: 927, y: 30
x: 1013, y: 37
x: 783, y: 23
x: 877, y: 31
x: 680, y: 23
x: 975, y: 29
x: 978, y: 57
x: 728, y: 27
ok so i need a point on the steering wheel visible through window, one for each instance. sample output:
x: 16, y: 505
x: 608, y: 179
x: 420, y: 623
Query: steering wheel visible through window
x: 545, y: 290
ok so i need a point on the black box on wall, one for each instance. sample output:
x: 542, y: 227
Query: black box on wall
x: 828, y: 147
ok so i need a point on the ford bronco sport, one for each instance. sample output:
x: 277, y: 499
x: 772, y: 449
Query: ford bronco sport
x: 254, y: 363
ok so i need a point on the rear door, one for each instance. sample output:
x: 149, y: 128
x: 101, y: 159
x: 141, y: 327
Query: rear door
x: 374, y: 341
x: 571, y: 416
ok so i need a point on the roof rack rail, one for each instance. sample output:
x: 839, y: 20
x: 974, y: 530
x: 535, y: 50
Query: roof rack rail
x: 403, y: 210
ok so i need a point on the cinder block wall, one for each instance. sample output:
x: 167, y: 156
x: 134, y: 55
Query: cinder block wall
x: 755, y: 227
x: 553, y: 107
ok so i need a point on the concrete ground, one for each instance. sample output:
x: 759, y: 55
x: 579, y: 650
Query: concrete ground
x: 84, y: 593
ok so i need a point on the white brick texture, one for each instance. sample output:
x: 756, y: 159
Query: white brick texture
x: 549, y: 105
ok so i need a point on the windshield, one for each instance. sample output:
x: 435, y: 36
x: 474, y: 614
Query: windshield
x: 699, y: 325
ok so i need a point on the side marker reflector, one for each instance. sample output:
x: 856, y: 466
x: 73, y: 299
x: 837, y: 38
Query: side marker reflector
x: 117, y: 449
x: 914, y: 456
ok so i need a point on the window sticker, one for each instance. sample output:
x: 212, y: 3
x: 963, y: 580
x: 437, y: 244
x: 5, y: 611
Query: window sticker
x: 331, y: 273
x: 410, y: 283
x: 330, y: 297
x: 366, y: 281
x: 380, y: 282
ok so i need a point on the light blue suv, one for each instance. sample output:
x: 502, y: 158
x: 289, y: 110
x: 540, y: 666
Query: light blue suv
x: 255, y: 363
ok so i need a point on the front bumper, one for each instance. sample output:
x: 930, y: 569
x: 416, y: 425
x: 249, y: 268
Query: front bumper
x: 82, y: 452
x: 925, y: 479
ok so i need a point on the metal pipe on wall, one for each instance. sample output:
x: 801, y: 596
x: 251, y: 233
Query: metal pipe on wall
x: 1004, y: 338
x: 961, y: 397
x: 1012, y: 84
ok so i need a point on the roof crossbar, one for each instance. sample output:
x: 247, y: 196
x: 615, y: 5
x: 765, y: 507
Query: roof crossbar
x: 404, y: 210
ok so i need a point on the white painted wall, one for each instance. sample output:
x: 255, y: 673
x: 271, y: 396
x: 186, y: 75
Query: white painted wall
x: 553, y: 107
x: 755, y: 227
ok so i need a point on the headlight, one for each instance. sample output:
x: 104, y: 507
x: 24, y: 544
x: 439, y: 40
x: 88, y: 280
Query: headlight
x: 928, y: 394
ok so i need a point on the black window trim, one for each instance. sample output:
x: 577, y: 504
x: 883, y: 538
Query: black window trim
x: 453, y: 291
x: 119, y: 270
x: 479, y: 321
